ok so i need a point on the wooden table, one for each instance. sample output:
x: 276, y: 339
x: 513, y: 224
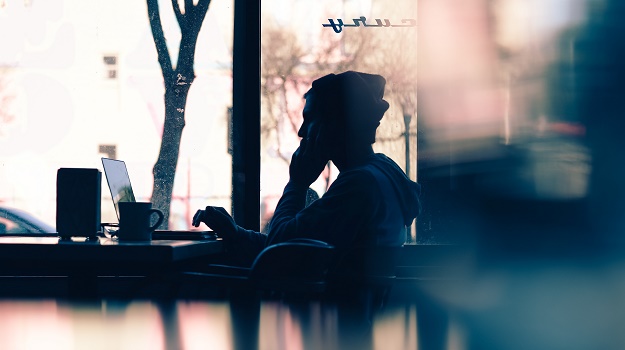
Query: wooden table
x: 83, y: 261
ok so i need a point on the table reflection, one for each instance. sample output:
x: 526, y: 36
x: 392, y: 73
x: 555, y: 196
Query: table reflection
x: 53, y: 324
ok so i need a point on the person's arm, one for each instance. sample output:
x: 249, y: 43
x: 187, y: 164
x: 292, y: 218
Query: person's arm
x: 247, y: 243
x: 335, y: 218
x: 282, y: 225
x: 307, y: 163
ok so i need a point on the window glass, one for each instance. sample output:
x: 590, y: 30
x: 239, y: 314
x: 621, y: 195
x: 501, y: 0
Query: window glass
x: 80, y: 80
x: 500, y: 137
x: 496, y: 120
x: 299, y: 44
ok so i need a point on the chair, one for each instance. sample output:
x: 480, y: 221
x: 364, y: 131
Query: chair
x: 296, y: 267
x: 364, y: 275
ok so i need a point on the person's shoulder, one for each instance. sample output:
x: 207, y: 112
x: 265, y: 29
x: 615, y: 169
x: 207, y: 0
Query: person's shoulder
x: 358, y: 185
x: 375, y: 161
x: 361, y: 173
x: 383, y: 159
x: 362, y: 177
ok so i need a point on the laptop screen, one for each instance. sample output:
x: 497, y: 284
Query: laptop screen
x: 118, y: 181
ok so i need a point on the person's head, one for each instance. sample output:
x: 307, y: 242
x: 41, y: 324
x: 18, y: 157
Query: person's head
x: 344, y: 110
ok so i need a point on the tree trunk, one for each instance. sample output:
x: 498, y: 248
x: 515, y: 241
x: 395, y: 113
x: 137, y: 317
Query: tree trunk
x: 177, y: 84
x: 165, y: 168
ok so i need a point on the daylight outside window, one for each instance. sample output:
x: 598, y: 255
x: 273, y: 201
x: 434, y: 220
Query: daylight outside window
x: 80, y: 80
x: 495, y: 112
x: 299, y: 44
x: 482, y: 96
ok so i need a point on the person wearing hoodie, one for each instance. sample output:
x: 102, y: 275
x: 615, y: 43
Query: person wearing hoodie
x: 370, y: 202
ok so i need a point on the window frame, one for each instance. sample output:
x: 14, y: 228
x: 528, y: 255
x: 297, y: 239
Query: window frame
x: 246, y: 114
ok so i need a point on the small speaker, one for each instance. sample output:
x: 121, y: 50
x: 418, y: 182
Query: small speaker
x: 78, y: 199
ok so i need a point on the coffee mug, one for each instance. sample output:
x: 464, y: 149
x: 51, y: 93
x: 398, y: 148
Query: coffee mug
x: 134, y: 221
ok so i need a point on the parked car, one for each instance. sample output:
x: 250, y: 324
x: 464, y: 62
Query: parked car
x: 15, y: 221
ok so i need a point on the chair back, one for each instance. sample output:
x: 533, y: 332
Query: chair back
x: 299, y: 265
x: 368, y: 270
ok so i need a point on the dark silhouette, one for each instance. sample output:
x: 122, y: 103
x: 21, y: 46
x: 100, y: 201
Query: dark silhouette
x: 370, y: 203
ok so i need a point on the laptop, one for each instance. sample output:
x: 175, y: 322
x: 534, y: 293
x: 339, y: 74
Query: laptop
x: 121, y: 191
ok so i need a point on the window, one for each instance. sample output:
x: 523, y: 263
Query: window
x: 110, y: 66
x: 494, y: 78
x: 109, y: 151
x: 299, y: 44
x: 499, y: 135
x: 87, y: 84
x: 496, y: 114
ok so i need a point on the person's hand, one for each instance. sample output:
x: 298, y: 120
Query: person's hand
x: 218, y: 219
x: 307, y: 162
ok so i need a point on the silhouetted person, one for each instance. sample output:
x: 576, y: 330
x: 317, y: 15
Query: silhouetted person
x: 372, y: 200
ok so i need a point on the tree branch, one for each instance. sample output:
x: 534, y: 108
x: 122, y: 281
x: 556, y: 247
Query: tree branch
x: 159, y: 40
x: 202, y: 8
x: 194, y: 16
x: 197, y: 13
x: 179, y: 16
x: 188, y: 6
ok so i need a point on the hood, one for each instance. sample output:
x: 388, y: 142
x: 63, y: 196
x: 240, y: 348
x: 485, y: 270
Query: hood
x: 407, y: 190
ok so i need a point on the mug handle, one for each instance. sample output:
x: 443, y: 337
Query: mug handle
x: 160, y: 218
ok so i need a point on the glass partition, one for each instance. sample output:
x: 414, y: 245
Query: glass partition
x: 496, y: 119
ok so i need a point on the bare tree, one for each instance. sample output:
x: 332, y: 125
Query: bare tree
x: 288, y: 70
x: 281, y: 60
x: 177, y: 80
